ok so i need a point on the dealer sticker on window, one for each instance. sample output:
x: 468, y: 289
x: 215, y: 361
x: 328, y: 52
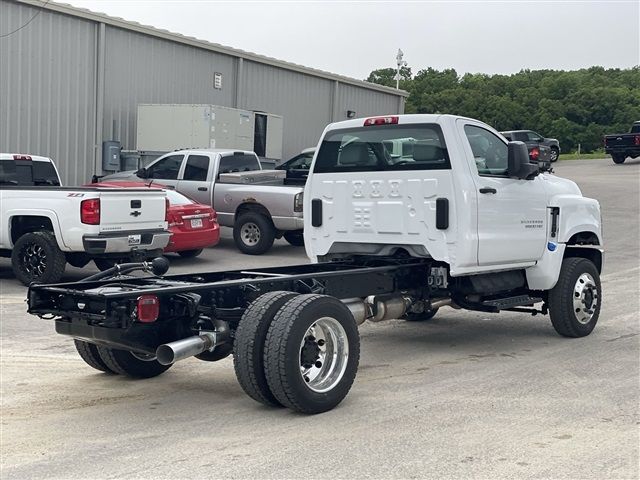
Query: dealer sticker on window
x: 134, y: 239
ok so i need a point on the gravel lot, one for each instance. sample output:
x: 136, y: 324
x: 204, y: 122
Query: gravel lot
x: 465, y: 395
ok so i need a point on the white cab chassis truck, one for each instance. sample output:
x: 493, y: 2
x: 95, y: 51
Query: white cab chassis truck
x: 404, y: 215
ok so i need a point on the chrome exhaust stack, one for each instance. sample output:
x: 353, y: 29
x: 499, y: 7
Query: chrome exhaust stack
x: 188, y: 347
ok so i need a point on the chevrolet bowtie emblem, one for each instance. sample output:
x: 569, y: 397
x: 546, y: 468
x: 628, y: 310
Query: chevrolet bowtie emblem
x: 135, y: 213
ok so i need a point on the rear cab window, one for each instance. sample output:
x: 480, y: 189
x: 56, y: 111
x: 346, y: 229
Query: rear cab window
x: 380, y: 148
x: 238, y: 162
x: 28, y: 173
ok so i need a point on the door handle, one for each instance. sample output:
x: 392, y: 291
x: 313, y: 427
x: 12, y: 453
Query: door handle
x: 202, y: 189
x: 488, y: 190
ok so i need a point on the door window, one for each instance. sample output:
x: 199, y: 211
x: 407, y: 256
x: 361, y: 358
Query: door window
x: 166, y: 168
x: 196, y: 168
x: 489, y: 151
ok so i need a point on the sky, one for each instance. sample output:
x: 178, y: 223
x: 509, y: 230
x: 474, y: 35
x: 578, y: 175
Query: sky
x: 353, y: 38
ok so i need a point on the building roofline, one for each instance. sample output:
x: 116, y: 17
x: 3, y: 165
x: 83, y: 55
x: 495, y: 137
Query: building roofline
x: 214, y: 47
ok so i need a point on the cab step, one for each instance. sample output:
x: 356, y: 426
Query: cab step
x: 510, y: 302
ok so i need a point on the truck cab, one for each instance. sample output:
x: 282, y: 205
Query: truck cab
x: 453, y: 196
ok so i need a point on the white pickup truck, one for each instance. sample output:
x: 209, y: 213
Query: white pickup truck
x: 256, y: 203
x: 44, y: 226
x: 455, y: 217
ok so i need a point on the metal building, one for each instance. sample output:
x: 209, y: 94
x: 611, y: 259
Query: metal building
x: 72, y: 78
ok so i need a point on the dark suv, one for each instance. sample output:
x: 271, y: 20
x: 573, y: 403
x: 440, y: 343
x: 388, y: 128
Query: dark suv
x: 531, y: 138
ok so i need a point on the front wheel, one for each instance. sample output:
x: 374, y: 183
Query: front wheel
x: 618, y: 158
x: 311, y: 353
x: 36, y: 257
x: 253, y: 233
x: 575, y: 301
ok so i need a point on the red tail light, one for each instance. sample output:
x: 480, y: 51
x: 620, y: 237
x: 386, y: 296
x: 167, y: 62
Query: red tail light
x: 636, y: 140
x: 22, y: 157
x: 380, y: 121
x: 534, y: 154
x: 148, y: 308
x: 90, y: 211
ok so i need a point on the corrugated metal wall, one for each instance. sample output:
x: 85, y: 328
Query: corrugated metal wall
x: 144, y: 69
x: 47, y: 88
x: 51, y: 93
x: 305, y: 102
x: 364, y: 102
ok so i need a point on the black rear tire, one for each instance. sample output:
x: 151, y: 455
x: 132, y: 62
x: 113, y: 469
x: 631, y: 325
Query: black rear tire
x: 575, y: 301
x: 190, y: 253
x: 290, y: 348
x: 295, y: 238
x: 36, y: 257
x: 89, y: 353
x: 618, y: 158
x: 126, y: 363
x: 420, y: 317
x: 253, y: 233
x: 554, y: 155
x: 248, y: 351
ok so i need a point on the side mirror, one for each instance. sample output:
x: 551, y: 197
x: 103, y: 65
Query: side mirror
x: 518, y: 165
x: 142, y: 173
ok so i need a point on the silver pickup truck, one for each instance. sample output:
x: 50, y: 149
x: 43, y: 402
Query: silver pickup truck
x: 255, y: 202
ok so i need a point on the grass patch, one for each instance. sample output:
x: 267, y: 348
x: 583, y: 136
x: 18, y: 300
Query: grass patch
x: 583, y: 156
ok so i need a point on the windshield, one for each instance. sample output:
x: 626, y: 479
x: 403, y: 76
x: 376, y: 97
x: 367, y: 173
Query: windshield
x: 383, y: 148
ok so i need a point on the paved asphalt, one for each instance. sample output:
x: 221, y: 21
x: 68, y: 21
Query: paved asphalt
x: 467, y: 395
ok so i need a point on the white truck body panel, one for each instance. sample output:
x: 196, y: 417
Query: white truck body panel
x: 376, y: 212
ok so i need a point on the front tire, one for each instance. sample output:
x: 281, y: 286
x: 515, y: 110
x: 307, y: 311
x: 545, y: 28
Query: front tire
x: 126, y: 363
x: 618, y: 158
x: 253, y: 233
x: 575, y: 301
x: 311, y: 353
x: 36, y: 257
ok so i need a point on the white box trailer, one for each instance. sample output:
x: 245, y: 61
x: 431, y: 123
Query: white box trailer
x: 163, y: 128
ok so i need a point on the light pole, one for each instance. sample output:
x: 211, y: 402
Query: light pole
x: 401, y: 63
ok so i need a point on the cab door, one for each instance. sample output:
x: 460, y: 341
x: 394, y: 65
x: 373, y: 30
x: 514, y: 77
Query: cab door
x: 512, y: 219
x: 196, y: 179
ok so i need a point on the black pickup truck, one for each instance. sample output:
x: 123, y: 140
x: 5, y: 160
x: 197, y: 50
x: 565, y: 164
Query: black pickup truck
x: 623, y: 145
